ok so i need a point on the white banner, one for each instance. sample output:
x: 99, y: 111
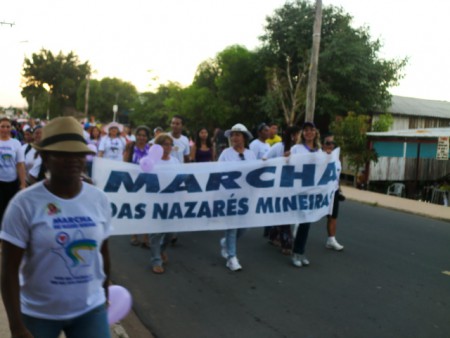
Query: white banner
x: 218, y: 195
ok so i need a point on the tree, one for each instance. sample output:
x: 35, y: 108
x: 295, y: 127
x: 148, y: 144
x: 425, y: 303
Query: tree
x: 61, y: 74
x: 235, y: 81
x: 351, y: 75
x: 106, y: 93
x: 350, y: 134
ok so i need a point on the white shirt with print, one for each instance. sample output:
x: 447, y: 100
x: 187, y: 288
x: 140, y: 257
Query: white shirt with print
x: 62, y: 269
x: 10, y: 154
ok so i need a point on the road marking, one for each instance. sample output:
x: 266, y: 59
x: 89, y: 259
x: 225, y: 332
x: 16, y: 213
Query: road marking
x: 446, y: 273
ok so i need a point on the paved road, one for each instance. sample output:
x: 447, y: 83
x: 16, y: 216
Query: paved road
x: 390, y: 281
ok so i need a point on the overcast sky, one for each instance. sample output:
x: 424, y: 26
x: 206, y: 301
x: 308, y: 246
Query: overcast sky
x: 170, y: 38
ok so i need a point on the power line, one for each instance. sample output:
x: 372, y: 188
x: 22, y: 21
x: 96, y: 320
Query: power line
x: 7, y: 23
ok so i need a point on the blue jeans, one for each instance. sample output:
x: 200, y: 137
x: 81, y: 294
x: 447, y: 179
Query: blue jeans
x: 158, y: 244
x: 231, y: 237
x: 93, y: 324
x: 300, y: 238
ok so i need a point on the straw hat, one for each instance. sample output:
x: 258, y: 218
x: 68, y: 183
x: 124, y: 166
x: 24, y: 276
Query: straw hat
x: 239, y: 127
x: 64, y: 134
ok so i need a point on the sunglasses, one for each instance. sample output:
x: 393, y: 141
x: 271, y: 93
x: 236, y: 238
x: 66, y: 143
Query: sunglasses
x: 241, y: 156
x: 330, y: 143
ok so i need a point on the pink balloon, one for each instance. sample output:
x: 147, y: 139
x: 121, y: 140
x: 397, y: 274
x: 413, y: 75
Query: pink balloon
x: 119, y: 303
x: 155, y: 153
x: 146, y: 163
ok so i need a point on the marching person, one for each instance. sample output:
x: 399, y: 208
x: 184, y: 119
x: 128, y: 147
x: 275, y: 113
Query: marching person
x: 113, y: 145
x: 281, y: 235
x: 55, y: 241
x: 328, y: 146
x: 309, y: 143
x: 160, y: 241
x: 134, y: 152
x: 12, y: 166
x: 238, y: 151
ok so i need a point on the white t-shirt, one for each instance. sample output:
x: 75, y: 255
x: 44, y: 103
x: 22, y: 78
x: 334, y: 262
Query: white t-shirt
x: 36, y: 168
x: 61, y: 275
x: 277, y: 150
x: 180, y: 147
x: 112, y: 148
x: 301, y: 149
x: 259, y: 148
x: 29, y: 156
x: 10, y: 154
x: 229, y: 154
x: 171, y: 160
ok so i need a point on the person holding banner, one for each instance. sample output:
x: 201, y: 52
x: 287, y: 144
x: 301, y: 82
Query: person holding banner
x: 55, y: 258
x: 134, y: 151
x: 328, y: 146
x: 159, y: 242
x: 239, y: 140
x: 281, y: 235
x: 309, y: 143
x: 113, y: 145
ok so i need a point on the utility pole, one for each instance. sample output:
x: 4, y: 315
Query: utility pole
x: 86, y: 95
x: 312, y: 78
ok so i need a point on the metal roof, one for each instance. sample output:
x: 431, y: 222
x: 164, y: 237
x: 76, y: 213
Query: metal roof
x: 416, y: 133
x: 411, y: 106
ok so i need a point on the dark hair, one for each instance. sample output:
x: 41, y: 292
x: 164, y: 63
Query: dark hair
x: 91, y: 133
x: 324, y: 136
x: 145, y: 129
x: 287, y: 137
x: 179, y: 117
x: 198, y: 142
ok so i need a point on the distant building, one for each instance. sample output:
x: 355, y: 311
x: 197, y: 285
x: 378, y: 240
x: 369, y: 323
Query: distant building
x: 409, y: 152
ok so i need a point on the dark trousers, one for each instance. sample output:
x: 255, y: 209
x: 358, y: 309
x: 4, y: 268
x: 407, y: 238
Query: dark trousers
x: 301, y: 237
x: 7, y: 192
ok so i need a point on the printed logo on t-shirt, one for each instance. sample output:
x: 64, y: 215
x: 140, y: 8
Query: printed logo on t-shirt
x: 78, y: 254
x: 53, y: 209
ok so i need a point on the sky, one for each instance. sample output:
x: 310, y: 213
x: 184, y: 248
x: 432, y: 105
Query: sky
x: 148, y: 42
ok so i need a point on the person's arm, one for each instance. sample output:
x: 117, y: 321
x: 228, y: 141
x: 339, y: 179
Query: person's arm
x: 11, y: 258
x: 106, y: 266
x: 192, y: 154
x: 21, y: 173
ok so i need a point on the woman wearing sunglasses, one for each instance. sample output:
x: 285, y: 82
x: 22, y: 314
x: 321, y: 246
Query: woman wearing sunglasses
x: 328, y: 145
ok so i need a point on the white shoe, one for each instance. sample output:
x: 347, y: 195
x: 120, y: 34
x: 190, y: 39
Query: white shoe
x: 223, y: 248
x: 296, y: 261
x: 299, y: 260
x: 233, y: 264
x: 333, y: 244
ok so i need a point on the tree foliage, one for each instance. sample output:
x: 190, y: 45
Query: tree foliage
x: 105, y: 93
x: 350, y: 134
x: 351, y: 75
x: 53, y: 78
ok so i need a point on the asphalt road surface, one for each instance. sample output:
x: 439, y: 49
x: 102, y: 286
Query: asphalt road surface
x: 391, y: 280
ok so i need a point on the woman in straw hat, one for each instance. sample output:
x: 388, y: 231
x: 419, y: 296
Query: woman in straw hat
x: 239, y: 139
x: 55, y: 237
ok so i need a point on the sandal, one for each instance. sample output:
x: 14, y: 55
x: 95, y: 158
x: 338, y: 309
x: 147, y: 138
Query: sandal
x: 164, y: 257
x: 158, y: 269
x: 135, y: 242
x: 286, y: 252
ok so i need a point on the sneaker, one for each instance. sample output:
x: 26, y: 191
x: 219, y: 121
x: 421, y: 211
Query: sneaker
x: 296, y: 261
x: 233, y: 264
x: 333, y: 244
x: 304, y: 260
x: 223, y: 248
x: 299, y: 260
